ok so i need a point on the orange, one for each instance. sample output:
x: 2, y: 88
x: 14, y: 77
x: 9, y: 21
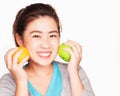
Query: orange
x: 24, y: 53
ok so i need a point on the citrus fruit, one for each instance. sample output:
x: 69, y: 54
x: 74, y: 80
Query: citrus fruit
x: 64, y: 54
x: 24, y: 53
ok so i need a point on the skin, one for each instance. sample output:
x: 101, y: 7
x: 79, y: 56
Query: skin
x: 42, y: 39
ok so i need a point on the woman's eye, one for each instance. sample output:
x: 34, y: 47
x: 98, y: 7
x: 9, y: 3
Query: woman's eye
x: 36, y: 36
x: 53, y: 35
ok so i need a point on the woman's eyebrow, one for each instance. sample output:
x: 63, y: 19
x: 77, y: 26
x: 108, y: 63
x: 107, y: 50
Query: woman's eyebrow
x: 37, y: 31
x: 54, y: 31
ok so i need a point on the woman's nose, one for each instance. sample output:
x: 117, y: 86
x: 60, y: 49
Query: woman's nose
x: 45, y: 43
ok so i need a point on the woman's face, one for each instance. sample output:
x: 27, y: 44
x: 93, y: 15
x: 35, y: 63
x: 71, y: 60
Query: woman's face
x: 41, y: 37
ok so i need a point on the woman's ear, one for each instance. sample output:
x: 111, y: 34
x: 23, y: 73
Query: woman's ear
x: 19, y: 40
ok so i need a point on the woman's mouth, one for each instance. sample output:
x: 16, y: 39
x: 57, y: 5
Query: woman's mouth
x: 44, y: 54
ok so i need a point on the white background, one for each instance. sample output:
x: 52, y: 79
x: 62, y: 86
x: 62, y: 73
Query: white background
x: 95, y: 24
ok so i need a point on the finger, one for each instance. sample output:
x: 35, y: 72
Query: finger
x: 78, y: 46
x: 16, y: 56
x: 8, y: 57
x: 75, y: 46
x: 23, y: 61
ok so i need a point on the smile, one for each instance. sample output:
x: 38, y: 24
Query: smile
x: 44, y: 54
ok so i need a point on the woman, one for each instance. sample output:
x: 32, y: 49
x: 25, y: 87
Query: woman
x: 37, y: 28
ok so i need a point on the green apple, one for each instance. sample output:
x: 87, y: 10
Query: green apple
x: 64, y: 54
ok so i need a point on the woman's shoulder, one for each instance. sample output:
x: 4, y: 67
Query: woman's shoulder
x: 83, y: 76
x: 7, y: 75
x: 6, y: 79
x: 7, y: 85
x: 63, y: 67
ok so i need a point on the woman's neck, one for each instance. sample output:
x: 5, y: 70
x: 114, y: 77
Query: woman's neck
x: 38, y: 70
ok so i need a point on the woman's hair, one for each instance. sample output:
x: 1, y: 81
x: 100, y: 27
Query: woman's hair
x: 30, y: 13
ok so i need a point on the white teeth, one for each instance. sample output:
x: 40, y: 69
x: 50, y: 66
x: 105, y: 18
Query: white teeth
x: 44, y: 54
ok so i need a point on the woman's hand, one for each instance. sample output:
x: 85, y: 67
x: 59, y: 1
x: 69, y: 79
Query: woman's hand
x: 76, y: 55
x: 16, y: 69
x: 73, y: 66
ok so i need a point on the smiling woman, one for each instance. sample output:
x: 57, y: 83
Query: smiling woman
x: 37, y: 28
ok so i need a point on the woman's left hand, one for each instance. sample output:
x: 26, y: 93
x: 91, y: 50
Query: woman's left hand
x: 76, y: 55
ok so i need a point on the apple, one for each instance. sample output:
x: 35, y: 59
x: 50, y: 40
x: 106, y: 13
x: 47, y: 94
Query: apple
x: 24, y: 53
x: 64, y: 54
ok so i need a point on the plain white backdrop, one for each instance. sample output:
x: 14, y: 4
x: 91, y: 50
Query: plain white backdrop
x: 95, y: 24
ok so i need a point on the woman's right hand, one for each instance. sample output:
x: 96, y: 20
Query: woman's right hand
x: 16, y: 69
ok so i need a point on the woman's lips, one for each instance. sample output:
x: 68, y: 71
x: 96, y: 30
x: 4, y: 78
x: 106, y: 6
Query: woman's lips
x: 44, y: 54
